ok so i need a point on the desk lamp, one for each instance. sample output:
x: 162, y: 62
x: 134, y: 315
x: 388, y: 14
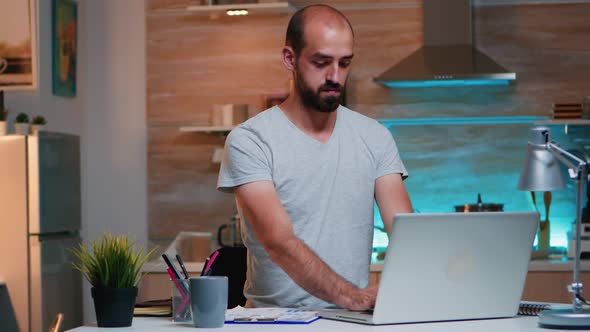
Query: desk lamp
x: 541, y: 172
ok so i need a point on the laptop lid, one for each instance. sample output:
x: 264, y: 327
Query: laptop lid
x: 453, y: 266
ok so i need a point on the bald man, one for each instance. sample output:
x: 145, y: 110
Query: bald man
x: 305, y: 175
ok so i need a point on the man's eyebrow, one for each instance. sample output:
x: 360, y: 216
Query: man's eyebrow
x: 319, y: 55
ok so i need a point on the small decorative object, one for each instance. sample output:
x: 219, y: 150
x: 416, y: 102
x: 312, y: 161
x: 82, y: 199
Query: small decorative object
x: 38, y: 122
x: 229, y: 115
x: 113, y: 268
x: 64, y: 41
x: 21, y: 124
x: 3, y: 115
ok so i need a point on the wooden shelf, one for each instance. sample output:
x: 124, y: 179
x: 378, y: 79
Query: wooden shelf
x: 571, y: 122
x: 216, y: 11
x: 252, y: 8
x: 206, y: 129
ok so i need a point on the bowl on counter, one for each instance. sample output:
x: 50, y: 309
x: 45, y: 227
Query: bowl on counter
x: 480, y: 206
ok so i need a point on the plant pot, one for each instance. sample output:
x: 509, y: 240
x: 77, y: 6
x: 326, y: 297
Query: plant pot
x: 2, y: 128
x: 114, y: 306
x: 21, y: 128
x: 36, y: 128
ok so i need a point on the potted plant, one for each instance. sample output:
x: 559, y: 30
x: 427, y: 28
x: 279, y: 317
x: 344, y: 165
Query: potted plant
x: 38, y: 122
x: 21, y: 125
x: 3, y: 116
x: 113, y: 268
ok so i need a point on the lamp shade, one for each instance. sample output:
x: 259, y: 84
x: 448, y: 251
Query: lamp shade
x: 541, y: 170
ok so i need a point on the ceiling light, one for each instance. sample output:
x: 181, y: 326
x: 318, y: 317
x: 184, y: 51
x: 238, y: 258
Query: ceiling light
x: 237, y: 12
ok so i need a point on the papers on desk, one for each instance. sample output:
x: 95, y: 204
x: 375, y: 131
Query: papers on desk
x: 241, y: 315
x: 153, y: 308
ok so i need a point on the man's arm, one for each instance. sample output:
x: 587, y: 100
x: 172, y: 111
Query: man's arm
x: 392, y: 198
x: 272, y: 227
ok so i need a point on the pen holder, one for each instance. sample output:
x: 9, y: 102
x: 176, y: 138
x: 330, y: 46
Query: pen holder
x: 181, y: 300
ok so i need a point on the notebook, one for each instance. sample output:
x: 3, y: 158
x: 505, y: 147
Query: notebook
x: 240, y: 315
x: 153, y: 308
x: 531, y: 308
x: 451, y: 266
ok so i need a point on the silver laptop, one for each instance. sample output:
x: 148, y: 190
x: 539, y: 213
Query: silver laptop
x: 451, y: 266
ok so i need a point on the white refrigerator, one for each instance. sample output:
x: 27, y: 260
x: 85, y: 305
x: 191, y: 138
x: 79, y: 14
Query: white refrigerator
x: 40, y: 214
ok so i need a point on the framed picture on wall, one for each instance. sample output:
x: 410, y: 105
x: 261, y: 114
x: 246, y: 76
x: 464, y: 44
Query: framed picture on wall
x: 18, y: 47
x: 64, y: 47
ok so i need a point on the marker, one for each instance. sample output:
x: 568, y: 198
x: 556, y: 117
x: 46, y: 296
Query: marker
x: 210, y: 263
x: 205, y: 266
x: 171, y: 266
x: 186, y: 275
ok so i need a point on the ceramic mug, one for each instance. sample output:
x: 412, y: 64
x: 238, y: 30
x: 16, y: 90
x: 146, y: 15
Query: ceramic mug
x: 208, y: 300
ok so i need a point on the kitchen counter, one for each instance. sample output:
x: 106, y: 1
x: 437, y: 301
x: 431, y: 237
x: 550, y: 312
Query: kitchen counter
x: 534, y: 265
x: 562, y: 265
x: 546, y: 279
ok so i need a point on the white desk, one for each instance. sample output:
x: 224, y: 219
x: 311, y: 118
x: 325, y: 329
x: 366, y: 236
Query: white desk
x: 520, y: 323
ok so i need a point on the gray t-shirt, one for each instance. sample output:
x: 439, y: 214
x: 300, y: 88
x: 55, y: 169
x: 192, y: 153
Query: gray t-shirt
x: 326, y: 189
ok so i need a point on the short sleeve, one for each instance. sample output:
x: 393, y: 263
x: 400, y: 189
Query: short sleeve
x: 389, y: 160
x: 246, y: 158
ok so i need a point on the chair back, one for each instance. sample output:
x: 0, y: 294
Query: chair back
x: 231, y: 263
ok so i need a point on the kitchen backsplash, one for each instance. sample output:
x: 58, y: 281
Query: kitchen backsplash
x: 449, y: 165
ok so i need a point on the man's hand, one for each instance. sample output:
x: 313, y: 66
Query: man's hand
x: 362, y: 299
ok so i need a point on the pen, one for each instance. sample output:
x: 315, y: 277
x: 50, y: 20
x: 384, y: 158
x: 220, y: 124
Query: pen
x: 184, y: 271
x: 171, y: 266
x: 210, y: 262
x: 204, y: 266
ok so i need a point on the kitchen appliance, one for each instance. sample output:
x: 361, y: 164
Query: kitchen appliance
x: 40, y: 215
x: 448, y: 57
x: 233, y: 233
x: 480, y: 206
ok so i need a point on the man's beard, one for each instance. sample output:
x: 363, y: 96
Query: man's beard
x: 313, y: 100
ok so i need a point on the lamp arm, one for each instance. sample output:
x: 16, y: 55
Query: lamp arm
x: 559, y: 153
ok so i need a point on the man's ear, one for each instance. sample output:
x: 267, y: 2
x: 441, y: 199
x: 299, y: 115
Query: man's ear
x: 289, y: 58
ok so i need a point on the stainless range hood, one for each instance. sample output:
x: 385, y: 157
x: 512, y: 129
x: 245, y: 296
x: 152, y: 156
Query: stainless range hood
x: 448, y: 57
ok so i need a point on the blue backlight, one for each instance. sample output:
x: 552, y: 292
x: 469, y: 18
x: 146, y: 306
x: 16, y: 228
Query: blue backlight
x: 445, y: 83
x: 473, y: 120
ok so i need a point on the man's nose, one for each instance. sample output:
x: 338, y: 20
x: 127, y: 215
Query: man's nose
x: 333, y: 74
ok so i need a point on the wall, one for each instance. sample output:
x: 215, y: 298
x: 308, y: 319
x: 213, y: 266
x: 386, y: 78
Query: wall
x: 195, y: 62
x: 63, y: 114
x: 108, y: 113
x: 114, y: 122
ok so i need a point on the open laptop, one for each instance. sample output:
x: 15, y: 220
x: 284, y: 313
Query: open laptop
x: 451, y: 266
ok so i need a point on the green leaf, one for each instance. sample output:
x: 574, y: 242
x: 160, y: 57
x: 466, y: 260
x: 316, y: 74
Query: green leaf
x: 112, y: 262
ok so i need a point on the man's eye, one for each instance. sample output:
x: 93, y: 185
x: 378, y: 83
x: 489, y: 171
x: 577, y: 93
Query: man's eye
x: 320, y: 63
x: 344, y: 64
